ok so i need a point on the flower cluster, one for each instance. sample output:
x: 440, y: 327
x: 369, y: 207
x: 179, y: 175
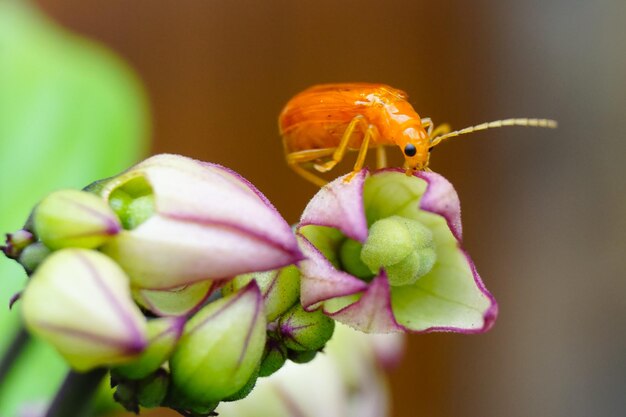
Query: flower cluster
x: 182, y: 278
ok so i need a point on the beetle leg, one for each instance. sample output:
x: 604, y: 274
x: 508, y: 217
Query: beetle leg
x: 427, y: 123
x: 370, y: 133
x: 357, y: 121
x: 294, y: 160
x: 381, y: 157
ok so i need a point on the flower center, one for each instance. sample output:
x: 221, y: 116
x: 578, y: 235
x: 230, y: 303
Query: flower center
x: 133, y: 202
x: 403, y: 247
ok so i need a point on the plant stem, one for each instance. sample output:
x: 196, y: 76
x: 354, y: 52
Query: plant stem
x: 76, y: 393
x: 13, y: 351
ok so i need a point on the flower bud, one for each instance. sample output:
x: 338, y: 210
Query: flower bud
x: 280, y: 289
x: 16, y: 242
x: 79, y: 301
x: 403, y: 246
x: 221, y: 347
x: 163, y: 334
x: 304, y: 331
x: 188, y: 221
x: 72, y: 218
x: 33, y: 255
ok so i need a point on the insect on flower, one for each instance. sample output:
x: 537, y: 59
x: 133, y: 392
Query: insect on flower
x: 321, y: 123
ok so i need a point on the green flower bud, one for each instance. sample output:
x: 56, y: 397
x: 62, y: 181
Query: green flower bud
x: 33, y: 255
x: 163, y: 334
x: 79, y: 301
x: 280, y: 289
x: 302, y: 330
x: 403, y: 246
x: 221, y: 347
x: 72, y: 218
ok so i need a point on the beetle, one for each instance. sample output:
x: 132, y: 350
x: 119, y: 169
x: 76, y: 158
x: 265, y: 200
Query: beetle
x: 320, y: 124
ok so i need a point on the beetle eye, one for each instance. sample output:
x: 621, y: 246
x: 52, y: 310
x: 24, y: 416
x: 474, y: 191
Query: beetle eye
x: 409, y: 150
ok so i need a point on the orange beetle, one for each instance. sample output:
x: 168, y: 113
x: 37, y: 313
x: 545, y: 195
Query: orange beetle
x: 323, y: 122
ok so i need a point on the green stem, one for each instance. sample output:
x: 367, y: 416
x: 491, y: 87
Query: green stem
x: 76, y: 393
x: 20, y: 339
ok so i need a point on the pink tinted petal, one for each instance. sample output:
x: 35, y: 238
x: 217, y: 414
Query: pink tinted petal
x: 164, y: 253
x: 320, y: 281
x: 372, y: 313
x: 339, y: 204
x: 441, y: 198
x: 208, y: 223
x: 204, y: 193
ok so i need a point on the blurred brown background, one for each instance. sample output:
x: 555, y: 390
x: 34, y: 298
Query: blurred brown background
x: 544, y: 211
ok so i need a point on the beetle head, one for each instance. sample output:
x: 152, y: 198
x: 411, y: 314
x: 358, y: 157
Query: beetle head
x: 415, y: 149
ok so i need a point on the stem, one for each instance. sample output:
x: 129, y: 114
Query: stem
x: 75, y: 394
x: 13, y: 351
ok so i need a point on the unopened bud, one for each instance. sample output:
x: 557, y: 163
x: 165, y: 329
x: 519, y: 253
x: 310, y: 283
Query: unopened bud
x: 72, y: 218
x: 16, y: 242
x: 304, y: 331
x: 280, y: 289
x: 33, y: 255
x: 79, y: 301
x: 221, y: 347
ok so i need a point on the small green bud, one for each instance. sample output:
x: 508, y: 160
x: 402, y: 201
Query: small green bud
x: 280, y: 289
x: 33, y: 255
x: 163, y: 334
x: 221, y: 347
x: 302, y: 330
x: 404, y: 247
x: 350, y: 255
x: 274, y: 357
x: 72, y: 218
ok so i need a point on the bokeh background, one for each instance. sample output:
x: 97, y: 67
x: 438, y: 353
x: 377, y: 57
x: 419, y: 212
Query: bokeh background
x: 544, y: 211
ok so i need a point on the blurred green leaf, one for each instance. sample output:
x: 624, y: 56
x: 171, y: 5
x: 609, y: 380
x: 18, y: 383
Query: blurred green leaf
x: 70, y: 112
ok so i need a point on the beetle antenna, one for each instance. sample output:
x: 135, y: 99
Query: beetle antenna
x: 547, y: 123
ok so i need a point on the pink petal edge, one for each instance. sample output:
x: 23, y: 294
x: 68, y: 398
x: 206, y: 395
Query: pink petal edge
x: 339, y: 204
